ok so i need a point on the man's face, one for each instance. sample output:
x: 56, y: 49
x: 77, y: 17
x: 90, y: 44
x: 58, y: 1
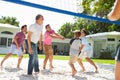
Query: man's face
x: 40, y: 20
x: 48, y: 28
x: 24, y: 29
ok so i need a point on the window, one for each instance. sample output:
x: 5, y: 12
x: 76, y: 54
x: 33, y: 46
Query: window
x: 7, y: 32
x: 9, y: 41
x: 111, y: 39
x: 3, y: 41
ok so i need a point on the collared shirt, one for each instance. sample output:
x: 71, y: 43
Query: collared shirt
x: 21, y: 38
x: 47, y: 38
x: 36, y: 31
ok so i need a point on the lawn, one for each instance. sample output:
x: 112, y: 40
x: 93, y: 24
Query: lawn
x: 59, y: 57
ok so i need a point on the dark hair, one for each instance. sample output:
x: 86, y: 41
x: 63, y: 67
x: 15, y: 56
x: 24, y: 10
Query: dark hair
x: 84, y: 31
x: 47, y: 26
x: 23, y: 26
x: 38, y: 16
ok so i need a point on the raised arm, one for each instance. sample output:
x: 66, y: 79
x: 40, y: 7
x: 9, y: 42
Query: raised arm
x: 115, y: 13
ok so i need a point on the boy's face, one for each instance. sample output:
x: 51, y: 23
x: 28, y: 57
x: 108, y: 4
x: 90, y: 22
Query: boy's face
x: 76, y: 34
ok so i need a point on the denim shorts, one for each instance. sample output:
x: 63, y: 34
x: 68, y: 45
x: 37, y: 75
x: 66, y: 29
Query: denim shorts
x: 14, y: 50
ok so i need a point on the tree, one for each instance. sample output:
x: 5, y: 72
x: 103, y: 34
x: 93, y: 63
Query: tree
x: 66, y: 30
x: 9, y: 20
x: 98, y: 8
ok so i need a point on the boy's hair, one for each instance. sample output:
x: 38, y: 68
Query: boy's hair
x: 23, y: 26
x: 84, y: 31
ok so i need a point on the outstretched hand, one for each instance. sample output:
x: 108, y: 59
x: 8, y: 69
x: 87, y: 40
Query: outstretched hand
x: 62, y: 38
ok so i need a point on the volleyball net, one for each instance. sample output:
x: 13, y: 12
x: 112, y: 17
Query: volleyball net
x: 69, y: 7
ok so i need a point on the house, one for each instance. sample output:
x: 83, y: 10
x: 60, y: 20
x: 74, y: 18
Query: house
x: 7, y: 33
x: 103, y: 41
x: 99, y: 42
x: 61, y: 47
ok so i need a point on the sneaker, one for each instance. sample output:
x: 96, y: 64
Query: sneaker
x: 27, y: 75
x: 37, y: 73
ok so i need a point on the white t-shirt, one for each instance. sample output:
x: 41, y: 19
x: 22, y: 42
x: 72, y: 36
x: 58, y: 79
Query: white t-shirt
x: 36, y: 29
x: 86, y: 47
x: 74, y: 47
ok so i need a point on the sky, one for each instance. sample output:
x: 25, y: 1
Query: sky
x: 26, y: 15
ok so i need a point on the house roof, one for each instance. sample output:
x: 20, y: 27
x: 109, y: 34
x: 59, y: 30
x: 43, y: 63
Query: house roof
x: 8, y: 26
x: 104, y: 34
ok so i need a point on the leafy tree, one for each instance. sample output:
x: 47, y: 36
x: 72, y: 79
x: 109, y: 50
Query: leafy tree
x: 9, y: 20
x: 99, y: 8
x: 66, y: 30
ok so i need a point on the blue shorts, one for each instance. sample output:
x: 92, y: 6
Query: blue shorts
x: 117, y: 58
x: 13, y: 49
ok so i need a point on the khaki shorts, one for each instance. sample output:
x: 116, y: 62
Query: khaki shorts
x: 73, y: 59
x: 48, y: 50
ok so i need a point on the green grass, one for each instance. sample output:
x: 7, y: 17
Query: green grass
x: 58, y: 57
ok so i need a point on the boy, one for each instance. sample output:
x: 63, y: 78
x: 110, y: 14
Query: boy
x: 75, y: 49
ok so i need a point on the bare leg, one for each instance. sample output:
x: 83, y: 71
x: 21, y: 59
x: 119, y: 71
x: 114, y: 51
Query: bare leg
x: 117, y: 71
x: 74, y: 71
x: 51, y: 59
x: 81, y: 64
x: 19, y: 61
x: 92, y: 63
x: 6, y: 57
x: 45, y: 61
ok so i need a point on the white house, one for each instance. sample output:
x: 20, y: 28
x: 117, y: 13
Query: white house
x: 99, y: 42
x: 7, y: 33
x: 105, y: 40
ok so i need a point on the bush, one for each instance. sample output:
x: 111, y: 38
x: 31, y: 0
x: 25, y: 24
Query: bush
x: 106, y: 54
x: 118, y: 46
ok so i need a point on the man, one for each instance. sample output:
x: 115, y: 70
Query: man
x: 34, y: 35
x: 115, y: 13
x: 16, y: 46
x: 47, y: 42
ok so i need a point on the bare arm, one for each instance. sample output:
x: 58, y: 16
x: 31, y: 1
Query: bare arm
x: 60, y: 36
x: 15, y: 40
x: 40, y: 42
x: 115, y: 13
x: 81, y: 47
x: 29, y: 42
